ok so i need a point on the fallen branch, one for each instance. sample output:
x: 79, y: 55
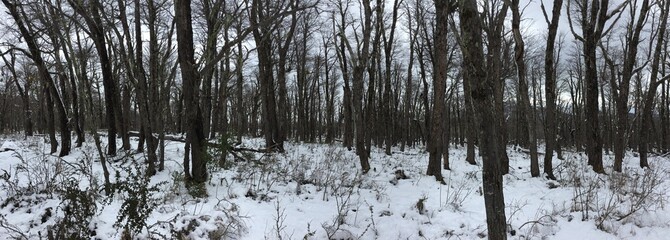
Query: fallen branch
x: 242, y: 149
x: 166, y: 137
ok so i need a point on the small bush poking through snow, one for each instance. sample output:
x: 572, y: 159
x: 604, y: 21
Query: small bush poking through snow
x: 138, y: 198
x: 615, y: 197
x: 39, y: 174
x: 79, y: 206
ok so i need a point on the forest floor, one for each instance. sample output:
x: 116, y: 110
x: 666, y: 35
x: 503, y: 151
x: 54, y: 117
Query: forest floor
x: 316, y: 191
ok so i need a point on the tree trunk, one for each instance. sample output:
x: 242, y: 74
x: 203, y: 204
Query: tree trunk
x: 112, y: 101
x: 264, y: 43
x: 622, y: 88
x: 592, y: 21
x: 407, y: 133
x: 358, y: 82
x: 51, y: 129
x: 23, y: 92
x: 647, y: 118
x: 482, y: 91
x: 494, y: 64
x: 36, y: 56
x: 347, y: 104
x: 525, y: 109
x: 143, y: 96
x: 240, y: 111
x: 550, y: 89
x: 191, y: 82
x: 440, y: 68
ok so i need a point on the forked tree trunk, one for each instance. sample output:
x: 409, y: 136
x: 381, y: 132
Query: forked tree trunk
x: 36, y: 55
x: 550, y: 88
x: 23, y: 92
x: 655, y: 81
x: 482, y: 95
x: 526, y: 111
x: 91, y: 15
x: 440, y: 67
x: 191, y: 82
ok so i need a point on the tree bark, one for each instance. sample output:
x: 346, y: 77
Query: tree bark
x: 347, y: 104
x: 494, y: 30
x: 91, y: 15
x: 550, y: 88
x: 440, y: 68
x: 592, y: 21
x: 526, y: 111
x: 482, y: 91
x: 358, y: 82
x: 191, y: 82
x: 23, y: 92
x: 143, y: 96
x: 655, y: 81
x: 36, y: 55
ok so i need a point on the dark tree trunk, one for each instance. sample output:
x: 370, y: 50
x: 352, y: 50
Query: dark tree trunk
x: 239, y: 77
x: 143, y: 96
x: 655, y: 81
x: 482, y: 92
x: 407, y: 133
x: 592, y: 21
x: 78, y: 116
x: 91, y: 15
x: 470, y: 122
x: 264, y: 47
x: 23, y: 92
x: 594, y: 138
x: 550, y: 89
x: 36, y: 56
x: 358, y: 82
x: 211, y: 13
x: 387, y: 109
x: 446, y: 134
x: 51, y: 129
x: 191, y: 82
x: 283, y: 107
x: 88, y: 99
x: 494, y: 30
x: 440, y: 68
x: 347, y: 104
x: 329, y: 88
x: 526, y: 111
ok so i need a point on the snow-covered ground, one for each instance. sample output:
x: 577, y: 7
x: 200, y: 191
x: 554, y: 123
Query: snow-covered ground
x: 315, y: 191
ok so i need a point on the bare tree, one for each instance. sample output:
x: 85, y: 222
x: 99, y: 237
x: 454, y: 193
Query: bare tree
x: 264, y: 36
x: 34, y: 52
x: 347, y: 105
x: 550, y: 86
x: 654, y: 81
x: 482, y: 95
x: 191, y: 82
x: 494, y: 16
x: 526, y: 111
x: 387, y: 101
x: 92, y: 17
x: 620, y: 84
x: 24, y: 91
x: 592, y: 20
x: 363, y: 55
x: 440, y: 66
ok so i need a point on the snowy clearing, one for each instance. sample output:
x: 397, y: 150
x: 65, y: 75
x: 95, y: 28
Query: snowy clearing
x: 315, y: 191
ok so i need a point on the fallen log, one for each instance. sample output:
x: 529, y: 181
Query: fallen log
x: 208, y: 143
x: 166, y: 137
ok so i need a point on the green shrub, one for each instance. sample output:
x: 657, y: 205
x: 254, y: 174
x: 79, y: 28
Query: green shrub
x: 138, y: 198
x: 79, y: 207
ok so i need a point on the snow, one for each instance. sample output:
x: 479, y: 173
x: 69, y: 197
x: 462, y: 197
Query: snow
x: 314, y: 191
x: 8, y: 146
